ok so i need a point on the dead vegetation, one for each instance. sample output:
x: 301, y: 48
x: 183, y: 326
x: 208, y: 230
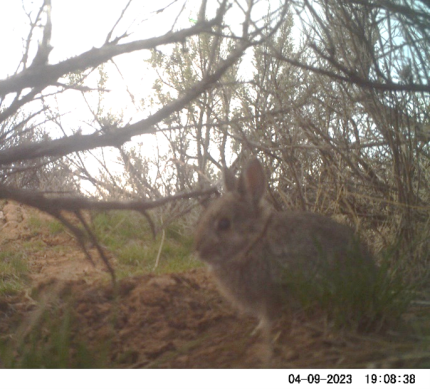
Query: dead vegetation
x: 339, y: 118
x: 69, y: 315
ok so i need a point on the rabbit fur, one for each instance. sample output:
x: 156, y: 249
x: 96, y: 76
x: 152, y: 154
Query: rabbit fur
x: 250, y: 248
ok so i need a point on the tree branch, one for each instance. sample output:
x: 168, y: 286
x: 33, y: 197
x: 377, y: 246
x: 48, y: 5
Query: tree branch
x: 119, y: 136
x: 53, y: 205
x: 41, y: 76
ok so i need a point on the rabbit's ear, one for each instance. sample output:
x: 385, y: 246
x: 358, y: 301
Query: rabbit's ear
x: 229, y: 180
x: 252, y: 182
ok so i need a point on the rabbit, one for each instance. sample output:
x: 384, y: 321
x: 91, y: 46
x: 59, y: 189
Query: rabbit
x: 256, y: 254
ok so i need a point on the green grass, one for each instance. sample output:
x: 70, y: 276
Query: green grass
x: 35, y: 224
x: 50, y: 343
x: 56, y: 227
x: 353, y: 294
x: 33, y: 246
x: 129, y: 237
x: 13, y: 272
x: 364, y: 300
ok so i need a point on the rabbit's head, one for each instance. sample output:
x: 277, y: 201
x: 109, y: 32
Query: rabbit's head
x: 232, y: 221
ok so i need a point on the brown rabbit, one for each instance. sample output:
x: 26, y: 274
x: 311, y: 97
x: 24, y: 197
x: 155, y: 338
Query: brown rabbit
x: 257, y: 254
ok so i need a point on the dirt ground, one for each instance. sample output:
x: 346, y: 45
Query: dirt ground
x: 177, y: 320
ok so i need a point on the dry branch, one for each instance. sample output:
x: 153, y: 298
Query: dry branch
x: 51, y: 204
x: 41, y: 76
x: 116, y: 138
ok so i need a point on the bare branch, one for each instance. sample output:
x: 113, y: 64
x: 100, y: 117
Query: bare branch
x: 41, y: 57
x: 116, y: 23
x: 119, y: 136
x: 45, y: 75
x: 73, y: 204
x: 18, y: 103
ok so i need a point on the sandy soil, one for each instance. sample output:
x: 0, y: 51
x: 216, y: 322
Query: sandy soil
x: 174, y: 320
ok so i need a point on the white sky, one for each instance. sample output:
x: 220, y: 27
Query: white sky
x: 79, y: 25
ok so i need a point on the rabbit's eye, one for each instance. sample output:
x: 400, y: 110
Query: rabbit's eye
x: 223, y: 224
